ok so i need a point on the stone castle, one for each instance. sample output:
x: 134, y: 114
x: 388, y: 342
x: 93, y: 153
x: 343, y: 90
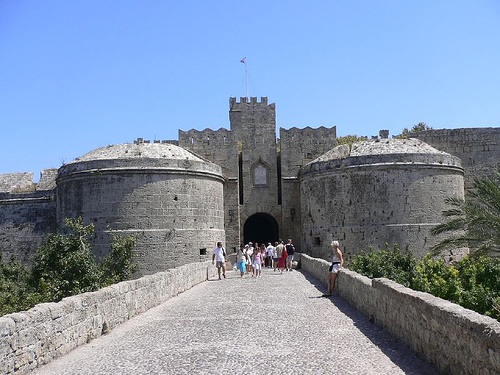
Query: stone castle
x: 242, y: 184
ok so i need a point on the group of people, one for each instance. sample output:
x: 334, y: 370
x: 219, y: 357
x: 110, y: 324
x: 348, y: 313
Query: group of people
x: 279, y: 257
x: 252, y: 257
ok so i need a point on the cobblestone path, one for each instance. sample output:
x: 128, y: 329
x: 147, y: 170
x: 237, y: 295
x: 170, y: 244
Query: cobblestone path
x: 277, y: 324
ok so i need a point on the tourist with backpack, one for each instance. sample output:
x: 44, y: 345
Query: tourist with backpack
x: 290, y: 249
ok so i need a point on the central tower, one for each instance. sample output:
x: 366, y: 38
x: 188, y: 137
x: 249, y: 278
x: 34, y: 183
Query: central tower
x: 253, y: 125
x: 261, y: 190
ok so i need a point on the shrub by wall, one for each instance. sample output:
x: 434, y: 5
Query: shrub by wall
x: 452, y: 338
x: 32, y: 338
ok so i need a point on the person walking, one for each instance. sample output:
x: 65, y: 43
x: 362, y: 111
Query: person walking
x: 249, y: 250
x: 257, y: 262
x: 275, y: 256
x: 263, y: 255
x: 290, y: 249
x: 219, y: 256
x: 269, y: 255
x: 241, y: 259
x: 280, y: 250
x: 337, y: 264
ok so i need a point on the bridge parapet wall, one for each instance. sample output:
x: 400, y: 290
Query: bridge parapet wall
x: 452, y: 338
x: 32, y: 338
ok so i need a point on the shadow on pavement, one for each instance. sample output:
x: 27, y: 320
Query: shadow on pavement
x: 390, y: 346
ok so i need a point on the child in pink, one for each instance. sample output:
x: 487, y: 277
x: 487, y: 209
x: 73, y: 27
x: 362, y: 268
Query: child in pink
x: 257, y: 263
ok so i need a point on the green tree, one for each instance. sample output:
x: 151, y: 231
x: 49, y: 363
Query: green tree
x: 64, y: 264
x: 421, y: 126
x: 348, y: 140
x: 474, y: 222
x: 15, y: 291
x: 118, y: 265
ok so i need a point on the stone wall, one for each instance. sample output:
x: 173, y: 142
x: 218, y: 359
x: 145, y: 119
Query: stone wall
x: 175, y: 207
x: 454, y: 339
x: 220, y: 147
x: 32, y: 338
x: 301, y: 146
x: 478, y: 148
x: 371, y: 200
x: 27, y: 213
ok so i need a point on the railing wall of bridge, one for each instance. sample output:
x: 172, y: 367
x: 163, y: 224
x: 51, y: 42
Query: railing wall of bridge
x: 452, y: 338
x: 32, y: 338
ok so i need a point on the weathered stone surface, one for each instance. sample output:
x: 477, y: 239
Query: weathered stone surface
x: 383, y: 190
x: 169, y: 198
x: 389, y: 191
x: 50, y: 330
x: 477, y: 148
x: 277, y: 324
x: 456, y: 340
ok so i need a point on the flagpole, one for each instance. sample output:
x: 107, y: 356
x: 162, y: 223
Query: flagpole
x: 244, y: 61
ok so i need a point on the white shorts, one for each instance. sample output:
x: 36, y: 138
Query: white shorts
x: 257, y: 266
x: 335, y: 268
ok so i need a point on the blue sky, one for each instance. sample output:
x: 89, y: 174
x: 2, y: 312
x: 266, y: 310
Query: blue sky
x: 81, y: 74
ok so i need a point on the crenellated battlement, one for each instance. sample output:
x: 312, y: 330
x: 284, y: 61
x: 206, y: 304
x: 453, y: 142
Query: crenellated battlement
x: 244, y: 100
x: 309, y: 131
x: 22, y: 182
x: 206, y: 136
x: 300, y: 146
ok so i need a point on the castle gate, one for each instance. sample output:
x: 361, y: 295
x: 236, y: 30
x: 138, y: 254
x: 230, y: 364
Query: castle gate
x: 261, y: 228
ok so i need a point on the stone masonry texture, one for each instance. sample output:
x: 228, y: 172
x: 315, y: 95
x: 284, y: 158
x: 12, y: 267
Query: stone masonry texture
x: 378, y: 192
x: 32, y: 338
x: 277, y: 324
x: 454, y: 339
x: 180, y: 197
x: 170, y: 199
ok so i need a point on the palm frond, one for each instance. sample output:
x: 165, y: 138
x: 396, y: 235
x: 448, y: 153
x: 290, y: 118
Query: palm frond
x: 451, y: 225
x: 478, y: 219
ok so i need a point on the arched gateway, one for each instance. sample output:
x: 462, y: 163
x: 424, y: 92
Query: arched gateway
x: 261, y: 228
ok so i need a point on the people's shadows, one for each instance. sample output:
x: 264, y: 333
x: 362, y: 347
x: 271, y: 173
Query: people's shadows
x: 398, y: 352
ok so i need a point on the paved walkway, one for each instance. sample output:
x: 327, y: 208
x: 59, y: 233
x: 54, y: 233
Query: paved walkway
x: 277, y: 324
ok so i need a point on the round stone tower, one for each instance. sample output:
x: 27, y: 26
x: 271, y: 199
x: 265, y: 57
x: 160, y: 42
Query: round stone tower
x: 168, y: 197
x: 377, y: 192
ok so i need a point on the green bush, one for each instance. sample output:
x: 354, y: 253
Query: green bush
x: 16, y: 292
x: 474, y: 282
x: 64, y: 266
x: 434, y: 277
x: 480, y: 279
x: 391, y: 263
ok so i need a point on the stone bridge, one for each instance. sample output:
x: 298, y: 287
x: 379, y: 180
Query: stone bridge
x: 279, y: 323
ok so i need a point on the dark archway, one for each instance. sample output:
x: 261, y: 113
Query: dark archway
x: 261, y: 228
